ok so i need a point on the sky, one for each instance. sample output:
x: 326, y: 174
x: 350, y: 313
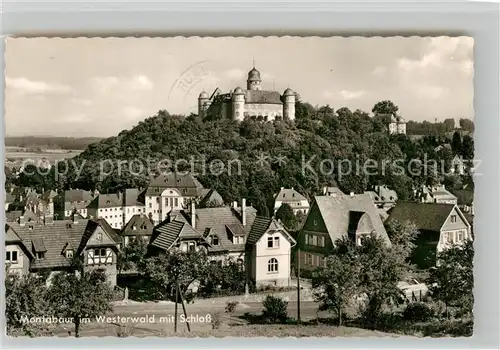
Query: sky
x: 100, y: 86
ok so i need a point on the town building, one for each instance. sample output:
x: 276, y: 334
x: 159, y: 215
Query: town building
x: 335, y: 216
x: 34, y: 247
x: 396, y: 124
x: 294, y: 199
x: 173, y: 191
x: 441, y: 226
x: 252, y: 102
x: 72, y: 200
x: 435, y: 194
x: 383, y: 197
x: 261, y: 245
x: 138, y: 227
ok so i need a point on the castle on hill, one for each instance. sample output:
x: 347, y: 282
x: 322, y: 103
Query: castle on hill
x: 253, y: 102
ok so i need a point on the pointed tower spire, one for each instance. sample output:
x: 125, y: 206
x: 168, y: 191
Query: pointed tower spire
x: 254, y: 62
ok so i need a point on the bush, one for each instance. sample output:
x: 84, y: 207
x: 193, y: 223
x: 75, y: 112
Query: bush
x: 418, y: 312
x: 275, y: 309
x: 216, y: 320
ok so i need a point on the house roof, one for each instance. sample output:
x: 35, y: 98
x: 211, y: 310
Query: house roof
x: 289, y: 195
x: 211, y: 197
x: 259, y: 227
x: 166, y: 233
x: 224, y: 222
x: 106, y: 201
x: 184, y: 181
x: 113, y: 234
x: 344, y: 212
x: 260, y: 96
x: 77, y: 196
x: 49, y: 194
x: 426, y: 216
x: 53, y: 238
x: 144, y: 226
x: 132, y: 197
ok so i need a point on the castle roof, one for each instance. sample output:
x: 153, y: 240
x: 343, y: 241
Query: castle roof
x: 254, y: 75
x: 203, y: 94
x: 288, y: 92
x: 239, y: 91
x: 260, y: 96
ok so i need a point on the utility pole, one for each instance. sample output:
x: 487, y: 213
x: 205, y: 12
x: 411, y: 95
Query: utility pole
x: 184, y: 308
x: 176, y: 301
x: 298, y: 285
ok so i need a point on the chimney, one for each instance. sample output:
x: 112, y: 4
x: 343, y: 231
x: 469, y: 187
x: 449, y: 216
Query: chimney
x: 74, y: 217
x: 22, y: 221
x: 193, y: 215
x: 244, y: 212
x: 235, y: 204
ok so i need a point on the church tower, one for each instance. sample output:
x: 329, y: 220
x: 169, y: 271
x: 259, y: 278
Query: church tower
x: 202, y: 104
x: 289, y: 104
x: 238, y: 101
x: 254, y: 82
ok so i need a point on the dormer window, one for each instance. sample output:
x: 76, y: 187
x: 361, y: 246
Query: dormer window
x: 214, y: 240
x: 40, y: 255
x: 69, y: 253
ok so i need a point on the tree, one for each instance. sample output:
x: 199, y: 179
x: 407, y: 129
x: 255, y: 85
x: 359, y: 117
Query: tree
x: 286, y: 215
x: 385, y: 107
x: 456, y: 143
x: 131, y: 257
x: 402, y: 236
x: 468, y: 147
x: 336, y: 283
x: 80, y: 295
x: 25, y: 297
x: 175, y: 266
x: 449, y: 124
x: 466, y: 125
x: 452, y: 280
x: 381, y: 270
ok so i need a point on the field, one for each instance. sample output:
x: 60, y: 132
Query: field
x: 15, y: 156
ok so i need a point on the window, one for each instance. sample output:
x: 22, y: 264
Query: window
x: 460, y: 236
x: 69, y: 253
x: 448, y: 237
x: 158, y: 200
x: 176, y: 200
x: 272, y: 265
x: 134, y: 227
x: 214, y: 240
x: 453, y: 218
x: 191, y: 246
x: 321, y: 241
x: 309, y: 259
x: 315, y: 222
x: 238, y: 240
x: 98, y: 236
x: 11, y: 257
x: 314, y: 240
x: 40, y: 255
x: 100, y: 252
x: 273, y: 242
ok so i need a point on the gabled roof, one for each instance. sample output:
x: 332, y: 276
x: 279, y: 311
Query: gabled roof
x: 77, y: 196
x: 132, y: 197
x: 211, y: 197
x: 426, y: 216
x: 176, y: 180
x: 263, y: 224
x: 52, y: 238
x: 224, y: 222
x: 106, y: 201
x: 109, y: 230
x: 166, y: 233
x: 144, y: 226
x: 48, y: 195
x: 344, y: 212
x: 288, y: 195
x: 10, y: 235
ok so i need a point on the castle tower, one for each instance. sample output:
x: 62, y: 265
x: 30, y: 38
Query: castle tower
x: 401, y: 125
x: 238, y: 101
x: 202, y: 104
x: 254, y: 82
x: 289, y: 104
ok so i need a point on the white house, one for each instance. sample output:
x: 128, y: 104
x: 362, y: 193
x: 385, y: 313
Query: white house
x: 269, y: 253
x: 294, y: 199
